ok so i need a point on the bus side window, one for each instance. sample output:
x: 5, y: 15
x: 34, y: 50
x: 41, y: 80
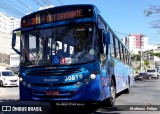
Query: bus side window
x: 125, y: 56
x: 122, y: 52
x: 128, y: 58
x: 112, y: 45
x: 117, y: 48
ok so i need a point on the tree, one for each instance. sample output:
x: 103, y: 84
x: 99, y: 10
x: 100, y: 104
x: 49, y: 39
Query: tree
x: 155, y: 54
x: 146, y: 62
x: 136, y: 57
x: 154, y: 10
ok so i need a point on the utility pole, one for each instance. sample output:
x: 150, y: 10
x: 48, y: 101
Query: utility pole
x: 141, y: 53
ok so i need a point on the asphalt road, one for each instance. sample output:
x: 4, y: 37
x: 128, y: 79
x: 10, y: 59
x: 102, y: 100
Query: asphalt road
x: 142, y: 95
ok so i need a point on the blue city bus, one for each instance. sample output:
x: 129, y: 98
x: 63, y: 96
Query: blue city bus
x: 70, y: 54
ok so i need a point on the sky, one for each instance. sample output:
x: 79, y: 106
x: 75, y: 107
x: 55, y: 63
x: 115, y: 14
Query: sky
x: 123, y: 16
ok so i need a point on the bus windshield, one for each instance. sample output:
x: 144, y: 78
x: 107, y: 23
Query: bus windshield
x: 59, y: 45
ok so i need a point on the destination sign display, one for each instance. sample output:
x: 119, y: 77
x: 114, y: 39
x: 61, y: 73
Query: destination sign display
x: 52, y: 15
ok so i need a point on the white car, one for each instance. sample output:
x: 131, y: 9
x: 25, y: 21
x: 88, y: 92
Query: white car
x: 153, y: 73
x: 8, y: 78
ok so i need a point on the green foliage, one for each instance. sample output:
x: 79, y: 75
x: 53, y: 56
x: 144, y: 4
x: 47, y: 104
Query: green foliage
x: 136, y: 57
x: 146, y: 62
x: 154, y: 54
x: 136, y: 70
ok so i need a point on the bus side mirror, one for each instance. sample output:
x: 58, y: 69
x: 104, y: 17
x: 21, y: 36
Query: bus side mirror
x: 105, y: 41
x: 14, y: 42
x: 106, y: 37
x: 101, y: 43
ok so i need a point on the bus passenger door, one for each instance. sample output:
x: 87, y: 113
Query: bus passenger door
x: 105, y: 63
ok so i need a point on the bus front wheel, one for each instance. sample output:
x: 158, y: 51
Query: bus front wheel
x: 111, y: 100
x: 127, y: 90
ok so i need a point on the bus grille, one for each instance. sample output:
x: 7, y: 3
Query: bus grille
x: 53, y: 85
x: 53, y: 72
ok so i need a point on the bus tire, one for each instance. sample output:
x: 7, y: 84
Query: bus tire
x: 127, y: 91
x: 109, y: 102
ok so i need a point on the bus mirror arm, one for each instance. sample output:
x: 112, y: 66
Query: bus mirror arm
x: 105, y: 39
x: 14, y: 42
x: 18, y: 52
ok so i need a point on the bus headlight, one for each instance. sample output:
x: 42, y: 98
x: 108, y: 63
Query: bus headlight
x: 24, y: 83
x: 93, y: 76
x: 78, y: 84
x: 29, y: 85
x: 20, y: 79
x: 86, y: 81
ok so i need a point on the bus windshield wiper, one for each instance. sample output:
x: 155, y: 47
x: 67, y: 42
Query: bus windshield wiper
x: 38, y: 33
x: 42, y: 43
x: 64, y: 32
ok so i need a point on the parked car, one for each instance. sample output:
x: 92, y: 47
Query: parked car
x: 143, y: 75
x: 8, y: 78
x: 153, y: 73
x: 14, y: 68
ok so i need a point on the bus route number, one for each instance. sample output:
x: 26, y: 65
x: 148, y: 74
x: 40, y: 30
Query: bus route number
x: 73, y: 77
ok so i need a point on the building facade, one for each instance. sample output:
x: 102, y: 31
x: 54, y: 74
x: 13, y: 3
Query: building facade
x: 14, y: 59
x: 14, y: 23
x: 8, y: 24
x: 153, y: 60
x: 4, y: 23
x: 136, y: 42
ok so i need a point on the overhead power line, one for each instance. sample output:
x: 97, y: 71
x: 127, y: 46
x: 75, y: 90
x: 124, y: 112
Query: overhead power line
x: 38, y: 3
x: 125, y: 34
x: 16, y: 6
x: 46, y: 2
x: 51, y: 2
x: 23, y: 4
x: 60, y: 2
x: 121, y: 33
x: 10, y: 8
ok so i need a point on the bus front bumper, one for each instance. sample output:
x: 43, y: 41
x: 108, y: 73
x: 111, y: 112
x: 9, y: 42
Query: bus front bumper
x: 81, y: 91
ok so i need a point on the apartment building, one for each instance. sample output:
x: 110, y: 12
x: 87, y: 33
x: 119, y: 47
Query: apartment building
x: 14, y: 23
x: 4, y: 23
x: 136, y: 42
x: 7, y: 24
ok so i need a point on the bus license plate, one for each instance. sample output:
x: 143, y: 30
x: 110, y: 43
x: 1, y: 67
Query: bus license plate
x: 52, y: 93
